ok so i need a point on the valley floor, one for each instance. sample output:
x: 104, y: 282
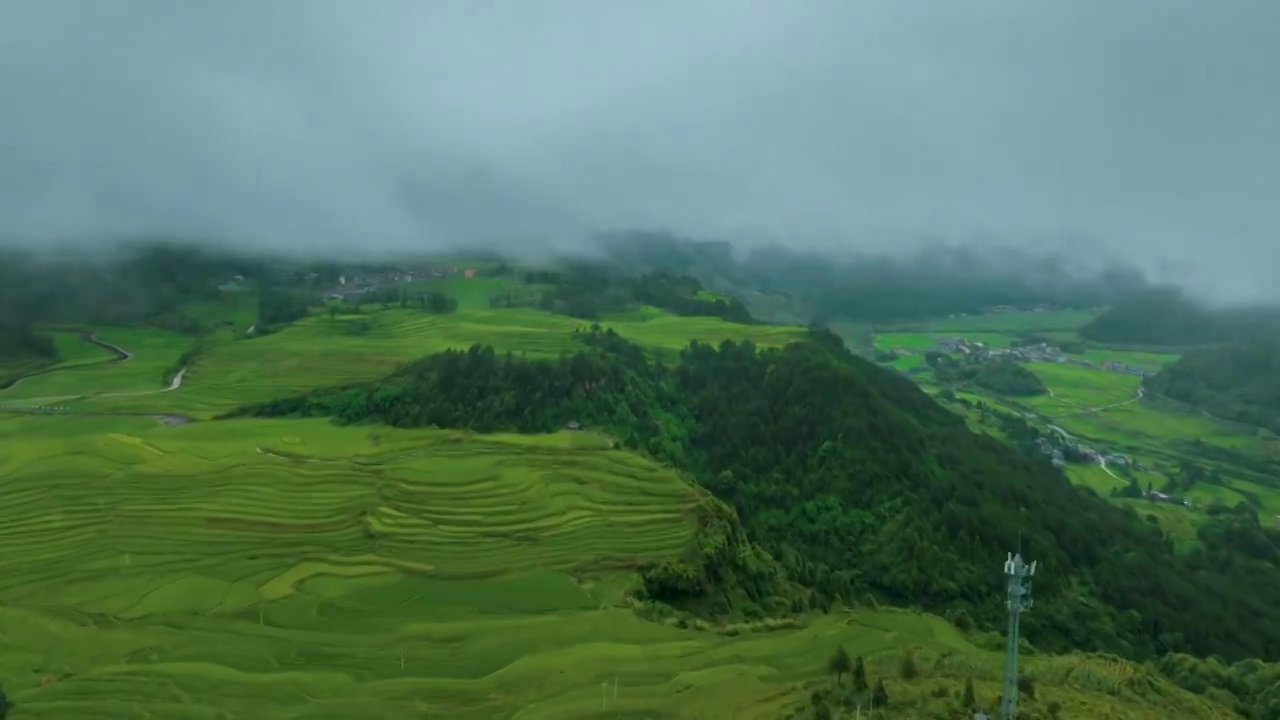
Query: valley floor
x: 1147, y: 438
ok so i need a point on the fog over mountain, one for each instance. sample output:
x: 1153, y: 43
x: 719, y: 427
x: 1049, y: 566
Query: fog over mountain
x: 1148, y: 126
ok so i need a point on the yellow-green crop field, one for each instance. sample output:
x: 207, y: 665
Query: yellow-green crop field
x: 295, y: 569
x: 323, y: 350
x: 1077, y: 387
x: 1065, y: 322
x: 282, y: 569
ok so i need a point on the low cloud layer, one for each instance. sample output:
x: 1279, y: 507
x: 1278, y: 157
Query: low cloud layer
x: 1150, y: 126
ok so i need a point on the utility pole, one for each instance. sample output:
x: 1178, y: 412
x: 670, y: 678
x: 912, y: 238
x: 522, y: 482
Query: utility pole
x: 1019, y: 574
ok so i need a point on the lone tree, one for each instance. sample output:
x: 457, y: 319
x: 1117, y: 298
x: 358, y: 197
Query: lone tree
x: 839, y: 664
x: 5, y: 705
x: 968, y: 701
x: 821, y: 710
x: 859, y: 675
x: 907, y: 669
x: 879, y: 695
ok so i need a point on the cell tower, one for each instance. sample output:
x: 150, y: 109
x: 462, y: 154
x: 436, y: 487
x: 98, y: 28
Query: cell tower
x: 1019, y: 602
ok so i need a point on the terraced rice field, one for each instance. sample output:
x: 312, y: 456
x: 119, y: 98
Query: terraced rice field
x: 236, y: 310
x: 294, y: 569
x: 161, y: 540
x: 471, y: 293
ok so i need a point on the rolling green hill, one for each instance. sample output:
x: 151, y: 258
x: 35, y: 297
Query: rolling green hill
x: 911, y: 511
x: 1165, y: 316
x: 291, y: 569
x: 1239, y: 382
x: 725, y: 515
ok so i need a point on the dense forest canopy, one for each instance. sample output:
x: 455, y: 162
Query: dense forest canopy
x: 141, y: 282
x: 1009, y: 378
x: 1238, y: 381
x: 590, y: 290
x: 19, y: 343
x: 853, y: 481
x: 1167, y: 316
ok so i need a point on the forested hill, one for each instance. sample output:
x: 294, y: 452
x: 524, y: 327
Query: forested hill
x: 935, y: 280
x: 1240, y: 382
x: 136, y: 283
x: 590, y: 290
x: 1166, y: 316
x: 856, y: 483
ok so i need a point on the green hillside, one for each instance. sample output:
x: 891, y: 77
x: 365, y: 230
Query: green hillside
x: 274, y: 569
x: 450, y: 497
x: 1239, y: 382
x: 919, y: 506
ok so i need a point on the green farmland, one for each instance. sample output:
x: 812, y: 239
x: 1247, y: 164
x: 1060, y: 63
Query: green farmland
x: 298, y: 569
x: 1103, y: 409
x: 326, y: 349
x: 294, y: 569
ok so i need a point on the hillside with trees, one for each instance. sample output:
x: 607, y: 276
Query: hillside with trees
x: 590, y: 290
x: 936, y: 279
x: 138, y: 283
x: 20, y: 342
x: 1006, y: 377
x: 1167, y: 316
x: 847, y: 482
x: 1239, y: 381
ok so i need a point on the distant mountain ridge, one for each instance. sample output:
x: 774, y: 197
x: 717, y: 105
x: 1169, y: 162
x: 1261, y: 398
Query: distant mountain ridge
x: 934, y: 279
x: 1168, y: 316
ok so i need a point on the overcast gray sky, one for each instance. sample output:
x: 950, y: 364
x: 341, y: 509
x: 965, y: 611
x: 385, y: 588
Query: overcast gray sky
x: 1151, y: 125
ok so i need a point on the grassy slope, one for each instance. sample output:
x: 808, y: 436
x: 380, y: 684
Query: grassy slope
x: 72, y: 352
x: 86, y: 368
x: 1075, y: 388
x: 282, y: 569
x: 323, y: 350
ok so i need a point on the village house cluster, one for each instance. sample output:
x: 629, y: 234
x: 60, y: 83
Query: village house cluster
x: 1038, y: 352
x: 354, y: 285
x: 1058, y: 456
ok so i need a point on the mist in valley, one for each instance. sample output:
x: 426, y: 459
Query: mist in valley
x: 1103, y: 134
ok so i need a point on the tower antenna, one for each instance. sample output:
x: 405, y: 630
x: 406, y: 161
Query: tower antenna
x: 1019, y: 574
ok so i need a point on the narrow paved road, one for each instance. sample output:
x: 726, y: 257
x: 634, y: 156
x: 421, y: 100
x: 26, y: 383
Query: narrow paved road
x: 1102, y: 461
x: 173, y: 385
x: 121, y: 355
x: 1088, y: 411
